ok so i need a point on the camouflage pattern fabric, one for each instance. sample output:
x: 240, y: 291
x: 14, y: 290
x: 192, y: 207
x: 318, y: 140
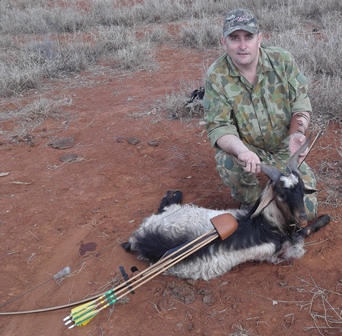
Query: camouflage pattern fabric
x: 258, y: 114
x: 240, y: 19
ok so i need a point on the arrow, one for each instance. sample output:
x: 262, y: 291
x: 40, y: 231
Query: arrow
x: 83, y: 314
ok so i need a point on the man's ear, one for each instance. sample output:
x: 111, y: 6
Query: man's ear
x: 259, y: 39
x: 222, y: 39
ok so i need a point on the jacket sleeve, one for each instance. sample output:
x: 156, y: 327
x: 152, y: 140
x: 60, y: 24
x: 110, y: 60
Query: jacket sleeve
x: 298, y: 88
x: 218, y: 112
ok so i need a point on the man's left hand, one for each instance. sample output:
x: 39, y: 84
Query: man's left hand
x: 296, y: 141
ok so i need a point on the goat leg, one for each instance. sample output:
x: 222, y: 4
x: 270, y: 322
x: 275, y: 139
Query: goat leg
x: 315, y: 226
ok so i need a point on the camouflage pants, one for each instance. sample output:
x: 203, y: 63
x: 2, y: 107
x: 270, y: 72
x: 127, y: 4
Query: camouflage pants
x: 245, y: 186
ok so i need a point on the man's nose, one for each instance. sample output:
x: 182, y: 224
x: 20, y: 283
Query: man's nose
x: 243, y: 44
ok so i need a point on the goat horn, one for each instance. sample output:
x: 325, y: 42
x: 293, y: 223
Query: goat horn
x: 272, y: 172
x: 293, y: 161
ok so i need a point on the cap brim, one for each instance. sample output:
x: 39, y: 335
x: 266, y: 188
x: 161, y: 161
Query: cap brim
x: 245, y: 28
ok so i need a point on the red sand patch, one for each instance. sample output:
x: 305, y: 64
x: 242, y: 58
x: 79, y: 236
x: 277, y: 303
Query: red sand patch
x: 50, y: 210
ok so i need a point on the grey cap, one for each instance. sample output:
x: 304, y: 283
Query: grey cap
x: 240, y: 19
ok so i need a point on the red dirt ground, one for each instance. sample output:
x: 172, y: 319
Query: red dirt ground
x: 56, y: 214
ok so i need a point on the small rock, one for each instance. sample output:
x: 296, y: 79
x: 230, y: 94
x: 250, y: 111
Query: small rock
x: 28, y: 140
x: 133, y: 141
x: 62, y: 143
x: 88, y: 247
x: 207, y: 299
x: 165, y: 304
x: 191, y: 282
x: 189, y: 299
x: 120, y: 139
x: 190, y: 327
x: 179, y: 325
x: 68, y: 158
x: 153, y: 143
x: 204, y: 291
x: 224, y: 283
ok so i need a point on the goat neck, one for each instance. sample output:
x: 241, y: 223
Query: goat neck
x: 267, y: 209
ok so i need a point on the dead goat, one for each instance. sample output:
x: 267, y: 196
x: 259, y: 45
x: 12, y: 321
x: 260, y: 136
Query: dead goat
x: 273, y: 230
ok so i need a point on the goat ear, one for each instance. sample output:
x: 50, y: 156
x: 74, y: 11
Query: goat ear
x: 266, y: 198
x: 309, y: 190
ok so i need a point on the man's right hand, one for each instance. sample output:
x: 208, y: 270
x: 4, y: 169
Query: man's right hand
x: 252, y: 162
x: 233, y: 145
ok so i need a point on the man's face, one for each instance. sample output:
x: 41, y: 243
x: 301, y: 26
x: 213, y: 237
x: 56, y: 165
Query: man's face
x: 243, y: 48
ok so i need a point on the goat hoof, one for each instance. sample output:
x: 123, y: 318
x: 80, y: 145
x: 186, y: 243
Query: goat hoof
x: 171, y: 197
x: 126, y: 246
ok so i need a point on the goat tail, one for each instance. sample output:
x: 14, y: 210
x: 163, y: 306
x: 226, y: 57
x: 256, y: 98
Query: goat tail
x: 315, y: 226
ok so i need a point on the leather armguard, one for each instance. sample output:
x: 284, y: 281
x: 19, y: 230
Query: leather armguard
x: 299, y: 123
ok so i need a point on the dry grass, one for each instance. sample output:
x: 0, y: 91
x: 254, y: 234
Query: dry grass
x: 43, y: 39
x: 310, y: 30
x: 177, y: 105
x: 240, y: 331
x: 36, y: 112
x: 329, y: 172
x: 323, y: 306
x: 201, y: 34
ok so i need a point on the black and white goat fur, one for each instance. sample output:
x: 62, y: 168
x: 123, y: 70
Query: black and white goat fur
x: 273, y: 230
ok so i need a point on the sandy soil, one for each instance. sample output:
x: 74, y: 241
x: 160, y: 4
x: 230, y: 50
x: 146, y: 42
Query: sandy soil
x: 55, y: 214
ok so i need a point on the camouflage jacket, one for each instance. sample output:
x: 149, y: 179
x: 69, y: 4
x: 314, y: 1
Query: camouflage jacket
x: 258, y: 114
